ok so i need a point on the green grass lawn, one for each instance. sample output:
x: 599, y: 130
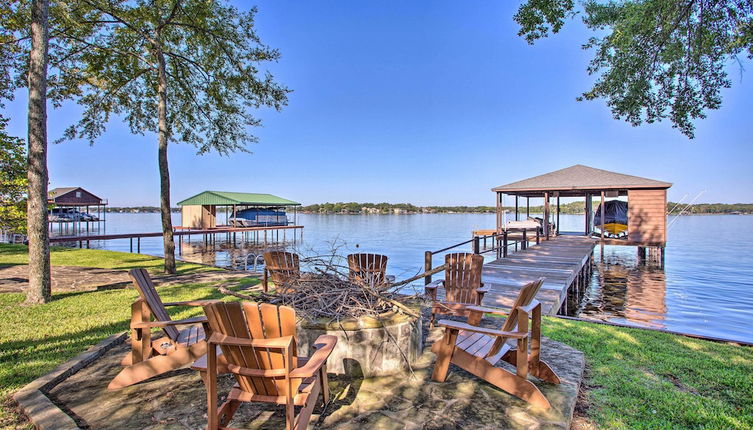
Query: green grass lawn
x: 35, y: 339
x: 62, y: 256
x: 640, y: 379
x: 637, y: 379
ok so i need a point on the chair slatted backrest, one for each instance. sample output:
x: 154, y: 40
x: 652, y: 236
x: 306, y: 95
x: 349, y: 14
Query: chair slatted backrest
x: 144, y: 285
x: 462, y: 276
x: 368, y: 268
x: 282, y: 266
x: 250, y: 320
x: 525, y: 297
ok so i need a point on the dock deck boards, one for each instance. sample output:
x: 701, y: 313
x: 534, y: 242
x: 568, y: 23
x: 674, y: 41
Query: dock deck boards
x: 560, y: 260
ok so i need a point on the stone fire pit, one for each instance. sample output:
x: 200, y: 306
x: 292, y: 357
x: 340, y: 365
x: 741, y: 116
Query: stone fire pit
x: 368, y: 346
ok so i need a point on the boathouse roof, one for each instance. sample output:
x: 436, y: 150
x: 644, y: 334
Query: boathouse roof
x: 228, y: 198
x: 577, y: 179
x: 73, y: 196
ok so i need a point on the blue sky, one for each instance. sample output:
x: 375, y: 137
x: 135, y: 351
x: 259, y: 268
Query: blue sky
x: 428, y: 103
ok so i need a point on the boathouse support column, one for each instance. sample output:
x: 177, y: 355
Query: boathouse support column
x: 546, y: 215
x: 499, y: 212
x: 557, y: 228
x: 587, y: 225
x: 601, y: 248
x: 602, y: 218
x: 516, y: 206
x: 528, y: 207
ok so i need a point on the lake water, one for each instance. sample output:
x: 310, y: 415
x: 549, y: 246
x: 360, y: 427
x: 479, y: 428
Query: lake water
x: 706, y: 286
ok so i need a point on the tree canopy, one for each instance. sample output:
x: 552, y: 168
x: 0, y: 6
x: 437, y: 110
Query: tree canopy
x: 654, y: 59
x: 186, y: 70
x: 12, y: 182
x: 212, y: 53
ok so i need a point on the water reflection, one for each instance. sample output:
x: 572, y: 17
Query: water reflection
x: 239, y: 255
x: 626, y: 289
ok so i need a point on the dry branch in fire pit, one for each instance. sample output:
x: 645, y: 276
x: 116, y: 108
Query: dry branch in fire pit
x: 328, y: 293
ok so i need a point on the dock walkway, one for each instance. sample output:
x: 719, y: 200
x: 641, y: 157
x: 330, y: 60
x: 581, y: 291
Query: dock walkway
x: 564, y: 261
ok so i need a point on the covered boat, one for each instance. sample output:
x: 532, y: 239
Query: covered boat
x: 615, y: 222
x: 263, y: 217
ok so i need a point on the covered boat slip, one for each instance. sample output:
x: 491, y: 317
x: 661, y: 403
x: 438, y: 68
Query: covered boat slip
x: 241, y: 210
x: 646, y: 199
x: 565, y: 259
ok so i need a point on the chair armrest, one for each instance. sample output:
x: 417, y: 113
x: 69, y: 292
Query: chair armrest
x: 457, y: 325
x: 276, y: 342
x: 324, y: 345
x: 528, y: 309
x: 483, y: 288
x: 154, y: 324
x: 201, y: 363
x: 486, y: 310
x: 191, y: 303
x: 431, y: 289
x: 434, y: 285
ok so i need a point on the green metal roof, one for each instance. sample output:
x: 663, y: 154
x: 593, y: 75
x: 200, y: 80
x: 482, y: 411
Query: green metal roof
x: 225, y: 198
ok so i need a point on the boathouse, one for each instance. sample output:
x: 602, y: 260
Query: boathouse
x: 200, y: 211
x: 646, y: 198
x: 76, y: 205
x: 73, y: 197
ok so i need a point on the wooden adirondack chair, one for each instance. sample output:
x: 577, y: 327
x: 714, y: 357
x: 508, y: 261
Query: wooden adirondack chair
x: 258, y: 346
x: 477, y: 349
x: 462, y: 285
x: 175, y: 349
x: 369, y: 268
x: 281, y: 267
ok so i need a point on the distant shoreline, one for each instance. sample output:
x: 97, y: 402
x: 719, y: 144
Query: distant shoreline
x: 575, y: 208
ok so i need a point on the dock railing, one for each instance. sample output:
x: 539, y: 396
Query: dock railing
x: 501, y: 242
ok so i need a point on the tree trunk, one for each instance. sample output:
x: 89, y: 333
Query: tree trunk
x: 164, y: 172
x: 39, y: 289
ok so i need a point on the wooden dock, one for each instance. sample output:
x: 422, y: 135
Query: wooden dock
x: 262, y: 234
x: 565, y: 262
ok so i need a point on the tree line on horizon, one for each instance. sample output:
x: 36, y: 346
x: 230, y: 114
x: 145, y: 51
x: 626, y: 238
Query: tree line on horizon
x: 573, y: 208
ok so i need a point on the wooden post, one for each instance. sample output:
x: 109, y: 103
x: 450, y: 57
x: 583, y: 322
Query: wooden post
x: 525, y: 240
x: 504, y: 244
x: 476, y: 245
x: 516, y: 207
x: 602, y: 218
x: 499, y: 212
x: 557, y: 228
x: 587, y: 225
x: 528, y: 207
x: 546, y: 216
x: 427, y: 266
